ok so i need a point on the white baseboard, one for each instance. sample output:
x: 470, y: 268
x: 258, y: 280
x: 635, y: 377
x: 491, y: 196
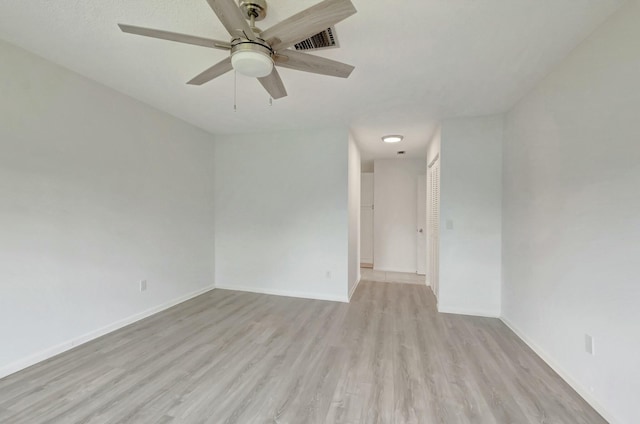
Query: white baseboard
x: 404, y: 271
x: 87, y: 337
x: 286, y: 293
x: 353, y: 290
x: 472, y: 312
x: 582, y: 391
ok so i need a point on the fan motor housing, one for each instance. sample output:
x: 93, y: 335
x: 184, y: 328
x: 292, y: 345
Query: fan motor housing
x: 243, y: 44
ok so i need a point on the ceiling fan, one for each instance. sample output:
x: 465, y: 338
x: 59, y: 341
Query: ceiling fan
x: 255, y: 52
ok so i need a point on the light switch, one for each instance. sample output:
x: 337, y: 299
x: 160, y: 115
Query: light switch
x: 449, y: 224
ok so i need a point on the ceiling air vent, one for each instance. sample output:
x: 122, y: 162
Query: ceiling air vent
x: 326, y: 39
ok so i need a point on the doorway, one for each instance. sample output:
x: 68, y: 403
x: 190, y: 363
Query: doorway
x: 393, y: 218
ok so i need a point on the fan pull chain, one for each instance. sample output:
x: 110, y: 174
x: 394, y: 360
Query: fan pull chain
x: 235, y: 91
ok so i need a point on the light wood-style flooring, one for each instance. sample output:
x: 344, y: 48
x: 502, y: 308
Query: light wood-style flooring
x: 234, y: 357
x: 392, y: 277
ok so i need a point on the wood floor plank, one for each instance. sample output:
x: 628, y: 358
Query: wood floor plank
x: 232, y: 357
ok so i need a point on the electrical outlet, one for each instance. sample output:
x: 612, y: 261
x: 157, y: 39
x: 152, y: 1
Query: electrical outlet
x: 143, y: 285
x: 589, y: 344
x: 449, y: 224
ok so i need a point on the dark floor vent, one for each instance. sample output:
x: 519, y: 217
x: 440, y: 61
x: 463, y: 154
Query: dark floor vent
x: 323, y: 40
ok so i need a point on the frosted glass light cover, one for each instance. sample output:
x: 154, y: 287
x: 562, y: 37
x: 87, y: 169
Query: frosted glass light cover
x: 252, y: 64
x: 392, y: 138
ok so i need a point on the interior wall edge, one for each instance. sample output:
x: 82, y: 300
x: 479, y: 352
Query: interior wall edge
x: 486, y: 313
x: 355, y: 287
x: 285, y: 293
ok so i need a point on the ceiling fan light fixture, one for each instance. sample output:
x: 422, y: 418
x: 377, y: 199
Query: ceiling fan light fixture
x: 253, y: 51
x: 252, y: 63
x: 392, y: 138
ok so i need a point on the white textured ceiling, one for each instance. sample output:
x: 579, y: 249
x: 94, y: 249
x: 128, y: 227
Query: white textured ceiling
x: 417, y: 61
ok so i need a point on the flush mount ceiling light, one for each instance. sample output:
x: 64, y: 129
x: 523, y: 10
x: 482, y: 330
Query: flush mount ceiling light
x: 392, y: 138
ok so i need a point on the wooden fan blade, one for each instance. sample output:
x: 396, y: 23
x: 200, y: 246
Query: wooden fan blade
x: 174, y: 36
x: 215, y: 71
x: 307, y: 23
x: 315, y: 64
x: 232, y: 19
x: 273, y: 84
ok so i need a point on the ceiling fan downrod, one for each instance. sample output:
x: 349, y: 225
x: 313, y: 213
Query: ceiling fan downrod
x: 253, y: 10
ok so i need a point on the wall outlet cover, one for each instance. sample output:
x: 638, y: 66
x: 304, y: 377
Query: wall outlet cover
x: 589, y: 346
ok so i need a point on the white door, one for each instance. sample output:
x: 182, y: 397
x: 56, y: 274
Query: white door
x: 366, y: 218
x: 434, y: 225
x: 421, y: 225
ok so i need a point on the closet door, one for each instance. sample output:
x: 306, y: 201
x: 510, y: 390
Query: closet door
x: 434, y: 225
x: 421, y: 225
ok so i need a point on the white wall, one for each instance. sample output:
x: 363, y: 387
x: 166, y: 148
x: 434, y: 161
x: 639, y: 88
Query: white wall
x: 572, y: 217
x: 470, y: 216
x: 354, y: 215
x: 281, y: 215
x: 98, y: 192
x: 394, y: 226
